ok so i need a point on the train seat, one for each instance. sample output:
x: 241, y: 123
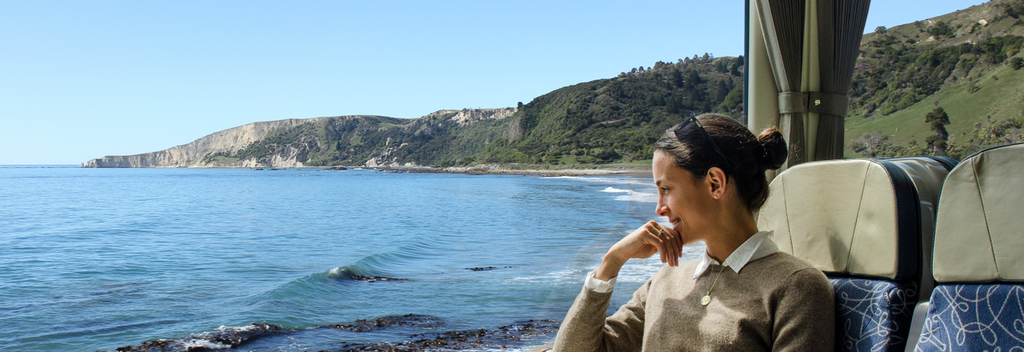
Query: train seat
x: 863, y: 223
x: 978, y: 259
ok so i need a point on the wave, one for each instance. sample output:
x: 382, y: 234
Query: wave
x: 615, y: 190
x: 348, y: 273
x: 374, y: 268
x: 633, y: 196
x: 378, y: 266
x: 381, y: 262
x: 636, y: 189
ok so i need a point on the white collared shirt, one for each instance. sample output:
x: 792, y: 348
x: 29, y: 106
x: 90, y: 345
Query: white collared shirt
x: 758, y: 246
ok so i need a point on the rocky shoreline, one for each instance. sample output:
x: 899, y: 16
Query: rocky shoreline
x: 518, y: 335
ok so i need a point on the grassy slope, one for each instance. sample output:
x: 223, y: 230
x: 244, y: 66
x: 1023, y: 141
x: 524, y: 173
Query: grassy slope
x: 1001, y: 88
x: 1000, y: 97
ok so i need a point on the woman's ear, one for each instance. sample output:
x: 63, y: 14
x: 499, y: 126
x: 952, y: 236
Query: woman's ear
x: 717, y: 181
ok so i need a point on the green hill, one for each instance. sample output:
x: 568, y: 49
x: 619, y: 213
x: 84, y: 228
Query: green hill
x: 967, y: 63
x: 618, y: 119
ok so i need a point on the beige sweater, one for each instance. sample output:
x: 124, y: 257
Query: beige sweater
x: 776, y: 303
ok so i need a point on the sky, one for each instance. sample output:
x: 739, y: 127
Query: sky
x: 84, y: 79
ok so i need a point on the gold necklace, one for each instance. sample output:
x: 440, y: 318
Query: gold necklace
x: 704, y: 301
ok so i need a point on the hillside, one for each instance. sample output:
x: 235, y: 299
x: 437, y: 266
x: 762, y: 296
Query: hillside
x: 618, y: 119
x: 968, y: 63
x: 595, y: 122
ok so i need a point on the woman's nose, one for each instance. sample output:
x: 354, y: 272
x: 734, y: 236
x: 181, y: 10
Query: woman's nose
x: 661, y: 210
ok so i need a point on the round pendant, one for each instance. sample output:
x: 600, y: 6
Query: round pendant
x: 705, y: 300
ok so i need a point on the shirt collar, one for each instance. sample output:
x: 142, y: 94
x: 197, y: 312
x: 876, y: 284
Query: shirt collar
x: 758, y: 246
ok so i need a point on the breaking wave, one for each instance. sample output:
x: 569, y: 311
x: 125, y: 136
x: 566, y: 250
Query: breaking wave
x: 635, y: 189
x: 633, y: 196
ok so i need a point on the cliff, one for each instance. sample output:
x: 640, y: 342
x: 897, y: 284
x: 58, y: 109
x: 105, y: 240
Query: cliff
x: 324, y: 141
x: 192, y: 154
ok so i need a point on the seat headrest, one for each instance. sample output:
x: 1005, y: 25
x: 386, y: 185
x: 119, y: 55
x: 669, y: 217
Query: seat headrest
x: 979, y: 229
x: 856, y: 217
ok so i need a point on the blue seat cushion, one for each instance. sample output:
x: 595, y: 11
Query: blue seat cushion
x: 974, y: 317
x: 873, y: 315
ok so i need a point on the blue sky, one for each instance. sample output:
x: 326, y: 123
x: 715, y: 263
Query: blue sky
x: 84, y: 79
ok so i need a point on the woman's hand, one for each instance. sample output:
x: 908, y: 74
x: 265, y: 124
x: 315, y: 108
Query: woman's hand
x: 641, y: 243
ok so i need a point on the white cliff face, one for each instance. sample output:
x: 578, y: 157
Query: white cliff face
x: 191, y: 155
x: 468, y: 116
x: 384, y: 158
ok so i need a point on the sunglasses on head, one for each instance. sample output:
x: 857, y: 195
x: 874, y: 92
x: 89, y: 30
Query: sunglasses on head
x: 677, y: 131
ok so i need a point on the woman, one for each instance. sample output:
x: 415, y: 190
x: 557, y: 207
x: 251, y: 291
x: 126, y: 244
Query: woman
x: 743, y: 295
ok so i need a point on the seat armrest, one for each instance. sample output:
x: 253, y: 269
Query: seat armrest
x: 916, y: 325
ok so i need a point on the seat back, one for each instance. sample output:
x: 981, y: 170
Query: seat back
x: 978, y: 259
x: 927, y: 173
x: 860, y: 222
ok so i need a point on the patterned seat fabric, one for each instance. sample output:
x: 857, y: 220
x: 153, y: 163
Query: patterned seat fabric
x: 973, y: 317
x: 978, y: 257
x: 873, y: 315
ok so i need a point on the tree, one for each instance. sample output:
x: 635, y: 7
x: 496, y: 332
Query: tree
x: 1017, y: 63
x: 874, y: 145
x: 694, y: 78
x: 676, y: 78
x: 941, y: 29
x: 721, y: 92
x: 937, y: 143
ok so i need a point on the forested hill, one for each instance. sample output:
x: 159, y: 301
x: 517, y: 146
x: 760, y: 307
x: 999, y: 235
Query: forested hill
x: 949, y: 85
x: 619, y: 118
x: 607, y: 120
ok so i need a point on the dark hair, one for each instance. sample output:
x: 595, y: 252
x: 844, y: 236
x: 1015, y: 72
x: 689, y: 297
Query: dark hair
x: 720, y: 141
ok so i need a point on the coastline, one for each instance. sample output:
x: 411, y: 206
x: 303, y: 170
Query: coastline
x: 532, y: 170
x: 643, y: 169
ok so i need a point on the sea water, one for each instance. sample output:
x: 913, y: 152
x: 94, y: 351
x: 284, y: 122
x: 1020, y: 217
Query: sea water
x: 96, y: 259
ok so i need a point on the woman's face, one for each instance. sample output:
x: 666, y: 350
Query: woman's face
x: 684, y: 200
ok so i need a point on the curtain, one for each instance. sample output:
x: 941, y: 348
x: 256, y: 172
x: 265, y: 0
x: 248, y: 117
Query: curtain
x: 782, y: 23
x: 811, y: 47
x: 840, y: 27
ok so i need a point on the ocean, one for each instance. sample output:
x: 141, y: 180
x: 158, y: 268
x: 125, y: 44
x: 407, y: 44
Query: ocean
x: 303, y: 259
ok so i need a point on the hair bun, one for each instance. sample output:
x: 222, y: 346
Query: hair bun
x: 775, y: 151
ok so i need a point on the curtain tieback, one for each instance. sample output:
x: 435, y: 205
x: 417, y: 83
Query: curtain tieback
x: 816, y: 102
